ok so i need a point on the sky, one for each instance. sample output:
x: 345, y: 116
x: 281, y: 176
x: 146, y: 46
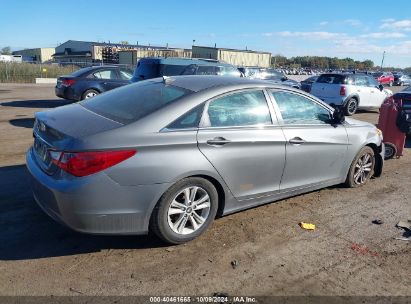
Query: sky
x: 357, y: 29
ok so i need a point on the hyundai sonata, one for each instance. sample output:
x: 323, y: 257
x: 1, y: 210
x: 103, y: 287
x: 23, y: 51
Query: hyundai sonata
x: 168, y: 155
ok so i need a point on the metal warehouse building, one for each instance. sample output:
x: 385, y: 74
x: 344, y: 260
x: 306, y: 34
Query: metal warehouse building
x: 233, y: 56
x: 73, y: 51
x: 131, y: 57
x: 39, y: 55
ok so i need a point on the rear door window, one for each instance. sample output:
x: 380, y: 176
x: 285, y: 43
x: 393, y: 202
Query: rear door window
x: 105, y: 74
x: 239, y: 109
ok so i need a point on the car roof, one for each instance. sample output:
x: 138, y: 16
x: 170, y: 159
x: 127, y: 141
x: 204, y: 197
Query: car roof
x: 198, y: 83
x: 181, y: 61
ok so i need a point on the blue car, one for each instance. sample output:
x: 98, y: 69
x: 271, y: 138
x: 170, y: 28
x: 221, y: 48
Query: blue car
x: 89, y: 82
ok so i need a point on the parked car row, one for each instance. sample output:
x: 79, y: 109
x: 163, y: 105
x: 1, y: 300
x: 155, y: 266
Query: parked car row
x: 168, y: 155
x: 91, y: 81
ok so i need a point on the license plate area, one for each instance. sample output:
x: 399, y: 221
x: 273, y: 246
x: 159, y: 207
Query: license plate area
x: 41, y: 150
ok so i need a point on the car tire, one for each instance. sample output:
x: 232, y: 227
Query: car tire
x: 351, y: 107
x: 390, y: 151
x: 390, y: 84
x: 175, y: 217
x: 401, y: 84
x: 89, y: 94
x: 361, y: 169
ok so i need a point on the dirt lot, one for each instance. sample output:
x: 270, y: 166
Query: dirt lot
x: 345, y: 255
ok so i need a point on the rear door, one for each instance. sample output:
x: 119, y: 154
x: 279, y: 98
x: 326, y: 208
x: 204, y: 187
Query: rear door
x: 315, y: 150
x: 243, y: 141
x: 108, y: 79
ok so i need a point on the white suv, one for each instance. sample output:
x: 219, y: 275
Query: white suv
x: 349, y: 91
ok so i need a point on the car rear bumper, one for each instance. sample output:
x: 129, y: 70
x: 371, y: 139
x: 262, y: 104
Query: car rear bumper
x: 66, y: 93
x: 95, y: 204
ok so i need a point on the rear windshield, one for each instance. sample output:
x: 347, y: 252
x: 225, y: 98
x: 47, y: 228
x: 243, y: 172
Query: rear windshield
x: 133, y: 102
x: 331, y: 79
x: 80, y: 72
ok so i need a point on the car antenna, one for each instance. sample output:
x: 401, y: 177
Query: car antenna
x: 167, y: 79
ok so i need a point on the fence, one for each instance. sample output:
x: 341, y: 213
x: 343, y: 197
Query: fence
x: 28, y: 72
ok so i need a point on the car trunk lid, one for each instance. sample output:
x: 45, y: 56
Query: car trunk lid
x: 58, y: 129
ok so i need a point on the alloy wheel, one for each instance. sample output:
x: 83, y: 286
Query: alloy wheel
x: 90, y: 95
x: 189, y: 210
x: 363, y: 169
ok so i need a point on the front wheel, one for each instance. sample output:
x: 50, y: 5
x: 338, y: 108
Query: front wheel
x: 362, y: 168
x: 390, y: 151
x: 185, y: 211
x: 351, y: 107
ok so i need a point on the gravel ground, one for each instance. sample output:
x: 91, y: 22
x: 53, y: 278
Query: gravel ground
x: 346, y: 255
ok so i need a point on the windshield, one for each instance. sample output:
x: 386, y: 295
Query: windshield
x: 133, y: 102
x: 377, y: 74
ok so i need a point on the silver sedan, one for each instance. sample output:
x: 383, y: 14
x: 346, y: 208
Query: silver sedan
x: 170, y: 154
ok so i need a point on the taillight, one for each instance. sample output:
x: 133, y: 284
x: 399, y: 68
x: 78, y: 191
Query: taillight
x: 86, y: 163
x: 68, y: 82
x: 342, y: 91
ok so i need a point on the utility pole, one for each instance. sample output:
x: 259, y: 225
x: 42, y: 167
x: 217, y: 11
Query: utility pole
x: 382, y: 61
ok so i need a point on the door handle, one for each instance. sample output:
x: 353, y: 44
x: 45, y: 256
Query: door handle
x: 296, y: 141
x: 218, y: 141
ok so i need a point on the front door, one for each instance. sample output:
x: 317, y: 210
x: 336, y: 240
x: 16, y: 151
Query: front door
x: 243, y: 143
x: 315, y: 149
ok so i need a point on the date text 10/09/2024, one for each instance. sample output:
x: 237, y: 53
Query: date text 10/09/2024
x: 205, y: 299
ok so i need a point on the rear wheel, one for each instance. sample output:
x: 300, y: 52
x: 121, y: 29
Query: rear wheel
x: 185, y: 211
x: 362, y: 168
x: 89, y: 94
x: 351, y: 107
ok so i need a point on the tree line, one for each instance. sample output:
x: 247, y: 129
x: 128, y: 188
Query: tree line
x: 321, y: 62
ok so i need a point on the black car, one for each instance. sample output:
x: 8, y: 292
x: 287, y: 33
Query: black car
x: 306, y: 84
x: 91, y: 81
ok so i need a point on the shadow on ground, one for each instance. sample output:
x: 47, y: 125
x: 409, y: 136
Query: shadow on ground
x: 27, y: 233
x: 52, y: 103
x: 23, y: 122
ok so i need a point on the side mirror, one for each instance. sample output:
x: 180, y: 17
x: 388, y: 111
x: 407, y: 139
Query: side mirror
x: 338, y: 116
x: 381, y: 87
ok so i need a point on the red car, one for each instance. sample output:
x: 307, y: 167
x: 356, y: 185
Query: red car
x: 384, y: 78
